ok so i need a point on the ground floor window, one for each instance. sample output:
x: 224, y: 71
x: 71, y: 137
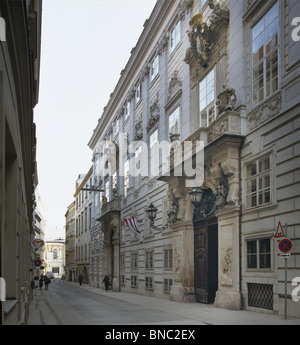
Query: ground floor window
x: 260, y: 296
x: 167, y: 285
x: 122, y: 279
x: 148, y: 283
x: 259, y: 253
x: 133, y: 281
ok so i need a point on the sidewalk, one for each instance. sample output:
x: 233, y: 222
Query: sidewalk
x: 47, y: 308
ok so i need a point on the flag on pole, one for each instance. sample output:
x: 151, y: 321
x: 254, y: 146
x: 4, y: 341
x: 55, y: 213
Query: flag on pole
x: 132, y: 224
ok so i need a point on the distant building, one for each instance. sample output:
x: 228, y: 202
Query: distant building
x: 39, y: 231
x: 83, y: 217
x: 70, y: 242
x: 55, y: 257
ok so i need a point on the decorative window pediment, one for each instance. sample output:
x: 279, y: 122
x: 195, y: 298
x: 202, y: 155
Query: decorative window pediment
x: 153, y: 115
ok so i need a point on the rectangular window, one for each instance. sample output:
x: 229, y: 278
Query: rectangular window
x: 127, y: 111
x: 259, y: 254
x: 265, y: 56
x: 133, y: 281
x: 149, y: 260
x: 122, y: 279
x: 207, y: 99
x: 167, y: 285
x: 154, y: 154
x: 122, y: 262
x: 138, y: 92
x: 174, y: 122
x: 168, y: 258
x: 258, y: 182
x: 107, y: 193
x: 154, y: 68
x: 116, y: 127
x: 134, y: 261
x: 148, y: 283
x: 175, y: 36
x: 126, y: 178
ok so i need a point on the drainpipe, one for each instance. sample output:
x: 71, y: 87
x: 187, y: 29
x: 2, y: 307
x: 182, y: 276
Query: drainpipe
x: 120, y: 252
x: 240, y: 228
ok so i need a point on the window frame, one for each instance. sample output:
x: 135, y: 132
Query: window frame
x: 177, y: 109
x: 256, y: 177
x: 167, y: 285
x: 133, y: 280
x: 209, y: 106
x: 134, y: 261
x: 149, y: 260
x: 149, y: 283
x: 168, y: 259
x: 127, y: 110
x: 154, y: 68
x: 263, y: 60
x: 258, y: 254
x: 175, y: 35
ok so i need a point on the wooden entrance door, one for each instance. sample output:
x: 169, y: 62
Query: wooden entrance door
x: 206, y: 260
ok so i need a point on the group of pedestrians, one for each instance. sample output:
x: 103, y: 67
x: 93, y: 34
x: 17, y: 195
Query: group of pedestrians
x: 44, y: 280
x: 106, y: 281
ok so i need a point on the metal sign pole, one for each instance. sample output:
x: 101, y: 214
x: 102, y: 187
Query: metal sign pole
x: 285, y: 287
x: 285, y: 290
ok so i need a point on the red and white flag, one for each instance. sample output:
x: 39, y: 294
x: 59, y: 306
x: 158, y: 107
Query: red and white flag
x: 132, y: 224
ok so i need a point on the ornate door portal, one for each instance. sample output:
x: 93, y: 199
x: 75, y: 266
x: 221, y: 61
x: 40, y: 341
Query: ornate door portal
x: 206, y: 260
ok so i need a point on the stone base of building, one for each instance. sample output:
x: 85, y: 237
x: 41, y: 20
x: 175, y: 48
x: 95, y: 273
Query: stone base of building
x: 180, y: 293
x: 228, y: 300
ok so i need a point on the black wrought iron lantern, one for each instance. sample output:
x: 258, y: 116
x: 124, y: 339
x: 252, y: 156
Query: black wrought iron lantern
x: 151, y: 212
x: 196, y: 195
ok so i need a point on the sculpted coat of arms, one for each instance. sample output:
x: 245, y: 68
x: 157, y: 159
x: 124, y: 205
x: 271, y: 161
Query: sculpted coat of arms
x: 201, y: 42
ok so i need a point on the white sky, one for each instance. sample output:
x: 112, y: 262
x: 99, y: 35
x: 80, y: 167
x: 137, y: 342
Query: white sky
x: 85, y: 45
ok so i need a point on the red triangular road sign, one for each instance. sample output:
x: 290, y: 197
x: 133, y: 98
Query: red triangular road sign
x: 279, y: 231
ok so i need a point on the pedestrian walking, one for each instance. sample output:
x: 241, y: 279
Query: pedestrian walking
x: 47, y: 281
x: 41, y: 282
x: 80, y: 279
x: 106, y: 282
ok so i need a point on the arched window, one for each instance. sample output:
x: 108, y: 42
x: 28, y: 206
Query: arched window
x: 55, y: 254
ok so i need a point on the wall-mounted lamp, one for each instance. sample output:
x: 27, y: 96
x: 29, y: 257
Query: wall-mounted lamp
x: 206, y: 202
x: 172, y: 216
x: 196, y: 195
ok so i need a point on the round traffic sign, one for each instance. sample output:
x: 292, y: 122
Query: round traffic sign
x: 37, y: 262
x: 37, y: 243
x: 285, y: 245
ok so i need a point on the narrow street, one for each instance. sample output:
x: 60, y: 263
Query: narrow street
x: 67, y: 303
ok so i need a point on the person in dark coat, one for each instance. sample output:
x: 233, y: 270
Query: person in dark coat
x: 106, y: 282
x: 41, y: 281
x: 47, y: 281
x: 80, y: 279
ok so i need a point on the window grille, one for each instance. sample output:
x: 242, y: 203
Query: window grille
x: 260, y: 296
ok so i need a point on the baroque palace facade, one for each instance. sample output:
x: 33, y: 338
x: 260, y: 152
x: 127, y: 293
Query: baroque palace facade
x: 223, y: 76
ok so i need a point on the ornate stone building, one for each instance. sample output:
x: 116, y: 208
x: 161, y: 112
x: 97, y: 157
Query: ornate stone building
x: 55, y: 257
x: 222, y: 75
